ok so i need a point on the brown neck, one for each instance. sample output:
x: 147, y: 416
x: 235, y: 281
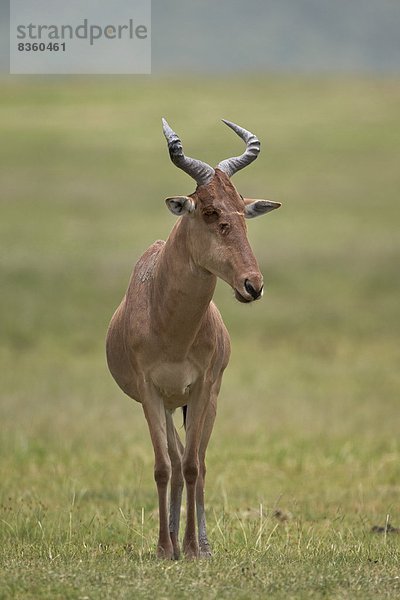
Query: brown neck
x: 182, y: 292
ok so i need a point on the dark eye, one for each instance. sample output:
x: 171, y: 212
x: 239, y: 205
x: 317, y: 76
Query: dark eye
x: 224, y: 228
x: 210, y: 216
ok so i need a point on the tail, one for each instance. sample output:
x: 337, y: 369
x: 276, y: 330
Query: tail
x: 184, y: 411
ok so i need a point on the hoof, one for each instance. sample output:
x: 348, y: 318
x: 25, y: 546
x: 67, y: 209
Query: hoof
x: 205, y: 551
x: 165, y: 553
x: 191, y: 550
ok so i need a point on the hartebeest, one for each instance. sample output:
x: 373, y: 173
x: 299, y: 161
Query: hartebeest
x: 167, y: 346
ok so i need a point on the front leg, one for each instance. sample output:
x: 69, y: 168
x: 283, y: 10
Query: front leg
x: 153, y: 407
x: 204, y: 546
x: 196, y: 413
x: 175, y: 449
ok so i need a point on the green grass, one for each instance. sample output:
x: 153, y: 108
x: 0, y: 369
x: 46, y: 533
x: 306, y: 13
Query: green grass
x: 308, y: 415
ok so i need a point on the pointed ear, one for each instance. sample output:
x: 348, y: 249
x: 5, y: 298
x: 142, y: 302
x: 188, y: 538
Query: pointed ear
x: 180, y: 205
x: 256, y: 208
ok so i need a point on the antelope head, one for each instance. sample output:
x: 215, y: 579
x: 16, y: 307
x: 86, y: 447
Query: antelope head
x: 215, y: 215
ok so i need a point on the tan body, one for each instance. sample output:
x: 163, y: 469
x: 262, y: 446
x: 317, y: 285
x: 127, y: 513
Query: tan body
x: 175, y: 337
x: 171, y: 354
x: 167, y: 345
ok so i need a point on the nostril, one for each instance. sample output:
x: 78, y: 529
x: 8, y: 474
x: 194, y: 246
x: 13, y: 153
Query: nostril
x: 248, y: 287
x: 251, y: 290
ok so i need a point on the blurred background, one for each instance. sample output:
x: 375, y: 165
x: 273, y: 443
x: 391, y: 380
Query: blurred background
x: 231, y: 36
x: 309, y: 403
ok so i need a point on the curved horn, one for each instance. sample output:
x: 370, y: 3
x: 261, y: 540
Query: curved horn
x: 231, y: 165
x: 200, y: 171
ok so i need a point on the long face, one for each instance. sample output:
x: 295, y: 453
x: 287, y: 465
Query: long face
x: 216, y: 212
x: 215, y: 216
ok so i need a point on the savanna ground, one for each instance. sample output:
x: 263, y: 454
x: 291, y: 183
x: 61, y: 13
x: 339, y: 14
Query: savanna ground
x: 305, y: 455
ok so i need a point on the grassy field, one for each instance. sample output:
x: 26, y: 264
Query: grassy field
x: 305, y: 456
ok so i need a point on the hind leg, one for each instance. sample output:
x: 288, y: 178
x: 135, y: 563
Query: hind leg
x: 175, y: 450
